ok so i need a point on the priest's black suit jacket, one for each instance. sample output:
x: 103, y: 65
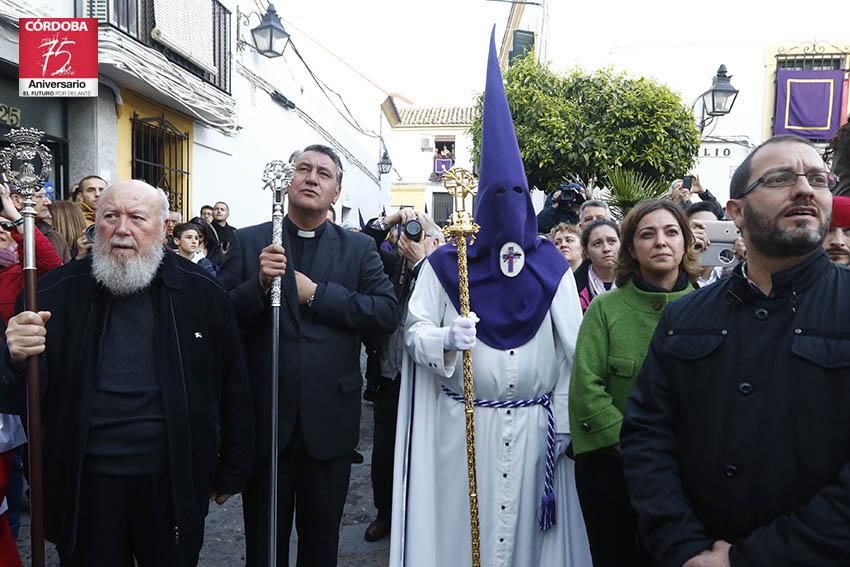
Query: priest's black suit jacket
x: 320, y: 380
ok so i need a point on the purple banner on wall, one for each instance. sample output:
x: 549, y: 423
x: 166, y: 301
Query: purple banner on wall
x: 808, y: 103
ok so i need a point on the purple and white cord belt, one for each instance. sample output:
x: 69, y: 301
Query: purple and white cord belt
x: 547, y: 503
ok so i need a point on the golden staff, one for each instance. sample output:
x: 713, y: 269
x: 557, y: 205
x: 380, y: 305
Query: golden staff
x: 461, y: 183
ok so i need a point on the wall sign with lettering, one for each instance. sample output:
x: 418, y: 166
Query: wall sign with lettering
x: 716, y: 152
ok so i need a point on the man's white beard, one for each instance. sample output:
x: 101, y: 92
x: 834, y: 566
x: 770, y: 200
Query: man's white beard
x: 130, y: 277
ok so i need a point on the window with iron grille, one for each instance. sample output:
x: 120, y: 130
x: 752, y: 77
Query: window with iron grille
x: 443, y: 205
x: 161, y: 157
x: 805, y: 62
x: 137, y: 18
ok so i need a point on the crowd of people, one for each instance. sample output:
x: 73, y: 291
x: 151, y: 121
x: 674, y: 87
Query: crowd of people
x: 634, y: 405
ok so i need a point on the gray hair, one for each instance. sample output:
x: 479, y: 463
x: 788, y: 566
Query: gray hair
x: 429, y: 226
x: 593, y: 203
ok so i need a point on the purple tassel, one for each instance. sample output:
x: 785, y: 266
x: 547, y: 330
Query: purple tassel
x: 547, y: 511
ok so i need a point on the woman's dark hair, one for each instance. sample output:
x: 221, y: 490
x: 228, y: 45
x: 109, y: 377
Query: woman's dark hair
x: 585, y: 234
x: 839, y: 144
x: 627, y: 264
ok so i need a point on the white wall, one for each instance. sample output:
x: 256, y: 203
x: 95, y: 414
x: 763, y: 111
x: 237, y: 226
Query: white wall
x: 414, y: 165
x: 230, y: 168
x: 717, y: 163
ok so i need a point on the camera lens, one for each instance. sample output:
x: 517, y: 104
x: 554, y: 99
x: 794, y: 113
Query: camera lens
x: 413, y: 230
x: 90, y: 233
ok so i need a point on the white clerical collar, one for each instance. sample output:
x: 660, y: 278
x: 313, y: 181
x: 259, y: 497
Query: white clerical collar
x: 306, y: 233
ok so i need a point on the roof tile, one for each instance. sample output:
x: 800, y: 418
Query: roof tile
x: 436, y: 116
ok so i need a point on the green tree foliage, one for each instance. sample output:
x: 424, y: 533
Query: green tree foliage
x: 583, y: 125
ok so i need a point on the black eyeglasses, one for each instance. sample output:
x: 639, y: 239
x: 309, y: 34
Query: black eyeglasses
x: 788, y: 178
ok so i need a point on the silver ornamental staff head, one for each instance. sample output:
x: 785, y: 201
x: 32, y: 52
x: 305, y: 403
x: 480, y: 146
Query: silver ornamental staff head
x: 26, y: 162
x: 278, y: 175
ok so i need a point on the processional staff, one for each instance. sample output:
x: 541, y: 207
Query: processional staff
x: 26, y: 164
x: 277, y: 176
x: 461, y: 183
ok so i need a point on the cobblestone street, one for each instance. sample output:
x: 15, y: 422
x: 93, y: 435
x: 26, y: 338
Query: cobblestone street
x: 224, y: 543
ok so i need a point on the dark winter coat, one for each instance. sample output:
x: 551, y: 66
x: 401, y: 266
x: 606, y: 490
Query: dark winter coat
x: 201, y: 374
x: 320, y: 379
x: 738, y: 427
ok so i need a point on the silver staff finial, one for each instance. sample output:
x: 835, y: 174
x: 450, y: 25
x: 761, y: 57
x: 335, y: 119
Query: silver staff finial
x: 278, y: 175
x: 26, y: 162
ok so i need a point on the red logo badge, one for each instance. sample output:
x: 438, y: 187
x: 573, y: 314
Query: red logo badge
x: 57, y: 57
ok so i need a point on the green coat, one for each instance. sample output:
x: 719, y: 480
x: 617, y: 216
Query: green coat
x: 612, y: 343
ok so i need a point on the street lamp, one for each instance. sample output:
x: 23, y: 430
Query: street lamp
x: 718, y: 100
x: 385, y: 164
x: 269, y: 37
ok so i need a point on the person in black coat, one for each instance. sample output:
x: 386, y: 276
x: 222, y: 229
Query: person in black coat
x: 560, y: 206
x: 383, y: 369
x: 146, y: 408
x: 735, y: 439
x: 334, y: 290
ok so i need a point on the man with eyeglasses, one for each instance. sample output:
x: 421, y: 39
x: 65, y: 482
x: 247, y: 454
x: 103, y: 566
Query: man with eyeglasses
x: 736, y: 438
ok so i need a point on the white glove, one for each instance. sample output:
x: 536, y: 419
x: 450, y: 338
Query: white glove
x: 461, y: 335
x: 562, y: 441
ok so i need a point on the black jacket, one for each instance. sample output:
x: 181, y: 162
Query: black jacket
x: 550, y: 217
x: 320, y: 380
x: 223, y: 234
x: 738, y: 427
x: 202, y: 378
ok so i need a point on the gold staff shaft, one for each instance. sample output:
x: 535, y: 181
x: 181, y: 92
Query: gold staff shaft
x: 461, y: 184
x: 468, y: 395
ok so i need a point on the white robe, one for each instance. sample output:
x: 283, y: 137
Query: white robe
x: 430, y: 522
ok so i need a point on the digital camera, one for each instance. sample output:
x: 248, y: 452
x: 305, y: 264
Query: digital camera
x: 413, y: 230
x: 571, y: 194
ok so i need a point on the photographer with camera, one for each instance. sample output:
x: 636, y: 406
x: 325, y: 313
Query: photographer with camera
x: 561, y: 206
x: 418, y: 236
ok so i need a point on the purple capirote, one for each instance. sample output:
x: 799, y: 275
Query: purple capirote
x: 510, y: 309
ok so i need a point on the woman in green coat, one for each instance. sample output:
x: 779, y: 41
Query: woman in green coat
x: 656, y: 264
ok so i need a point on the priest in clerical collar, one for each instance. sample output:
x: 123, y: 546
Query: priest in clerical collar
x: 334, y: 291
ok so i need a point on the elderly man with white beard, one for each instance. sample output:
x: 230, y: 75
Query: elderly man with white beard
x: 146, y: 410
